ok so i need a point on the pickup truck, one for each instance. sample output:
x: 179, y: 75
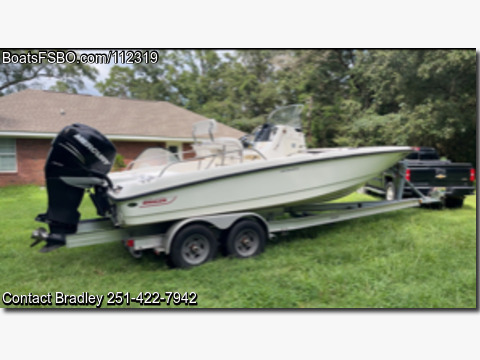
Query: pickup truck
x: 427, y: 173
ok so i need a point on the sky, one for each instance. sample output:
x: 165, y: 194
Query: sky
x: 103, y: 71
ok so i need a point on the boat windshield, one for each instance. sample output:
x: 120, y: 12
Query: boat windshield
x: 287, y: 115
x: 152, y: 157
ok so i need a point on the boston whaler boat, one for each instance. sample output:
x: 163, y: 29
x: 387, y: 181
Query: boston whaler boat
x: 225, y: 178
x: 184, y: 207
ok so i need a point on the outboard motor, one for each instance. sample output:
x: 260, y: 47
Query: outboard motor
x: 79, y: 159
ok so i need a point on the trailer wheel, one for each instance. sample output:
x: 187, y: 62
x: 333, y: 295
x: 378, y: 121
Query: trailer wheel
x: 193, y: 245
x: 390, y: 191
x: 247, y: 238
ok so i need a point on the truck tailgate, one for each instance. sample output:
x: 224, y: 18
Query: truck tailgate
x: 439, y: 174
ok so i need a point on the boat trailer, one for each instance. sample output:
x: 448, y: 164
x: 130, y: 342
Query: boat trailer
x: 193, y: 241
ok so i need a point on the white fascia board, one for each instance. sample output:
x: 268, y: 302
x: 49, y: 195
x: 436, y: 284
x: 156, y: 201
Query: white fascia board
x: 47, y: 135
x: 25, y: 134
x: 147, y: 138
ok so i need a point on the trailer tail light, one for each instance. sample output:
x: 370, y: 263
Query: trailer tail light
x: 472, y: 174
x: 130, y: 243
x: 408, y: 175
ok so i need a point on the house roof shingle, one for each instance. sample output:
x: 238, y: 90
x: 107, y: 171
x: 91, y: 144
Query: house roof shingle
x: 39, y: 111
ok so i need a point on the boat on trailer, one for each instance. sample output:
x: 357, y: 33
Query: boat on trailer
x: 229, y: 187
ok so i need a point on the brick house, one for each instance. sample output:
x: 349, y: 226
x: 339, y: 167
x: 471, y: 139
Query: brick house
x: 30, y: 119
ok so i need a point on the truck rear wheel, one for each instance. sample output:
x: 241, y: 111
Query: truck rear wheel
x: 193, y: 245
x: 245, y: 239
x: 453, y: 202
x: 390, y: 191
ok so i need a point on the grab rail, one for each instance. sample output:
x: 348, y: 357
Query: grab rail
x: 213, y: 157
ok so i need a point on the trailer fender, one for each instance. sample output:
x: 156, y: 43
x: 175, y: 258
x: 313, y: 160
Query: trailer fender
x: 221, y: 222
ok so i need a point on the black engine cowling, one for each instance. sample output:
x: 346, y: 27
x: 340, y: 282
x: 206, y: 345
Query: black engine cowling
x: 80, y: 158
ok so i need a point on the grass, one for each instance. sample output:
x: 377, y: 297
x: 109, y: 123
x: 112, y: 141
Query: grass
x: 414, y: 258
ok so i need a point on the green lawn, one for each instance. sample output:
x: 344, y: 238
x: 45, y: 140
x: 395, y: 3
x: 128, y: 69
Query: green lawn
x: 414, y: 258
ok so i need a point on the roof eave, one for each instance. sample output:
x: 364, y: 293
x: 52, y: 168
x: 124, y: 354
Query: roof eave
x: 114, y: 137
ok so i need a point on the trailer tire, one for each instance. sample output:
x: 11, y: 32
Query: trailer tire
x: 390, y: 191
x: 245, y: 239
x: 193, y: 245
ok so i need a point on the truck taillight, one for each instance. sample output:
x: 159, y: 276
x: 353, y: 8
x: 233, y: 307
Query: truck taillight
x: 408, y: 175
x: 472, y: 174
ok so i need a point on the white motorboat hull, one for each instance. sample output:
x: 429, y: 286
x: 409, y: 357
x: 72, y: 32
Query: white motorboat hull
x: 252, y: 186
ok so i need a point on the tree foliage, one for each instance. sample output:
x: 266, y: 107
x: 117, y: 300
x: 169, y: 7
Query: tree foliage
x: 16, y: 76
x: 415, y: 97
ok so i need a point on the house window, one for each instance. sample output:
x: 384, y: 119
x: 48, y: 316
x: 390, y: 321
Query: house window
x: 8, y: 155
x: 173, y: 147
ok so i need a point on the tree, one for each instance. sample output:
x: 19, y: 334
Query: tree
x: 319, y: 79
x: 205, y: 81
x: 416, y: 97
x: 120, y: 83
x: 31, y: 68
